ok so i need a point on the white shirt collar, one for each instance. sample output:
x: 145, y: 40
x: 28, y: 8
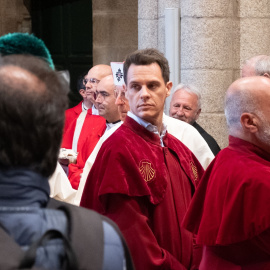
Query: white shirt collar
x: 150, y: 127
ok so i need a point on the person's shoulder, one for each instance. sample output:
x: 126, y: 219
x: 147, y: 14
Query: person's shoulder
x: 180, y: 128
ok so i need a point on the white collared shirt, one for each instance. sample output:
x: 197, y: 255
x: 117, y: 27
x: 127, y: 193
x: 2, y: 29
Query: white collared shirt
x: 150, y: 127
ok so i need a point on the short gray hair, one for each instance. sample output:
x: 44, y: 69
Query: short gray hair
x: 190, y: 89
x: 262, y: 65
x: 236, y: 104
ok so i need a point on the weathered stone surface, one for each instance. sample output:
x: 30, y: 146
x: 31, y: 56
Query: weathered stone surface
x: 148, y: 34
x: 148, y: 9
x: 215, y: 125
x: 207, y: 43
x: 209, y: 8
x: 254, y: 8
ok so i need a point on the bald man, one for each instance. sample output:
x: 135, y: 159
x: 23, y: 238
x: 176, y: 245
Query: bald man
x: 230, y: 212
x: 80, y: 121
x: 105, y: 102
x: 256, y: 66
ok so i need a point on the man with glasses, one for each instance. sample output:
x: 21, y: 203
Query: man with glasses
x: 105, y: 102
x: 81, y: 124
x: 80, y: 119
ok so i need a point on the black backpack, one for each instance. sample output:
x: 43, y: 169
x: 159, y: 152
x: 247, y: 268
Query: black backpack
x: 84, y: 247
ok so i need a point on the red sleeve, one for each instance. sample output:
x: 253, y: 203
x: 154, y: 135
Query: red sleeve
x: 131, y: 217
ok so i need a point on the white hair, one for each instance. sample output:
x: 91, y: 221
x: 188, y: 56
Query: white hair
x: 190, y: 89
x: 262, y: 65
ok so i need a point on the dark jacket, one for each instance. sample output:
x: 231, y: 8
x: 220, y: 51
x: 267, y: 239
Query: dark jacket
x: 24, y: 196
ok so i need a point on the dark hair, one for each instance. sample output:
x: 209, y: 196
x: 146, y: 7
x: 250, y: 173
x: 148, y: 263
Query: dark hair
x: 147, y: 57
x: 32, y: 108
x: 80, y: 83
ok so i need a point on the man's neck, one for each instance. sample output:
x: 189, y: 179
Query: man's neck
x: 87, y: 104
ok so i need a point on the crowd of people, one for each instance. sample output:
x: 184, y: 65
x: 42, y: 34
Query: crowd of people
x: 147, y: 190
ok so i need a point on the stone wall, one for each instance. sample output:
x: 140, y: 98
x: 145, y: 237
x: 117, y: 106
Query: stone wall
x: 14, y: 16
x: 115, y: 30
x: 216, y: 37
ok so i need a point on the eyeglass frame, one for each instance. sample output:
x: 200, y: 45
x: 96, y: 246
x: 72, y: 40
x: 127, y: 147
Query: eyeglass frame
x: 91, y: 80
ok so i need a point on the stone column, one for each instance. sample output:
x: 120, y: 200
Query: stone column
x: 210, y: 56
x: 254, y: 28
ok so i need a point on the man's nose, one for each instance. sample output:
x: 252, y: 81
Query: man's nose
x: 180, y: 111
x: 144, y: 92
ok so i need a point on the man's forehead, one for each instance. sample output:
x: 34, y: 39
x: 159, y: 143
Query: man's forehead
x: 152, y: 72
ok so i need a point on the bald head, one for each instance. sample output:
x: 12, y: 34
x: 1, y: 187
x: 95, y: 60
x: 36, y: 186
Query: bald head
x: 93, y: 77
x: 256, y: 66
x: 247, y: 108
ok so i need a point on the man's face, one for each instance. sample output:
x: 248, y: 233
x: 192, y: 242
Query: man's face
x: 146, y: 92
x: 184, y: 106
x: 105, y: 100
x: 121, y: 102
x: 91, y: 81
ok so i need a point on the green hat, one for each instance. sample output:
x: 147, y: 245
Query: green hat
x: 24, y: 43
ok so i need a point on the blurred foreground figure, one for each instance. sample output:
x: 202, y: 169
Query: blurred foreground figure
x: 230, y: 212
x: 33, y: 99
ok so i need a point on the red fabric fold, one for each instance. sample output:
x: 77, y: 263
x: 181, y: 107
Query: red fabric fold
x: 232, y: 202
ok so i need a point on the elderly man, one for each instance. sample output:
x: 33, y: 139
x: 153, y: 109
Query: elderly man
x: 230, y: 212
x: 105, y: 102
x: 256, y: 66
x: 186, y: 106
x: 137, y: 179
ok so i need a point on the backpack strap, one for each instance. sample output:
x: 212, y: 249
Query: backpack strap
x: 88, y: 246
x: 10, y: 252
x: 30, y: 255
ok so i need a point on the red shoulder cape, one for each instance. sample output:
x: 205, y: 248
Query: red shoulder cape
x: 232, y: 202
x: 140, y: 146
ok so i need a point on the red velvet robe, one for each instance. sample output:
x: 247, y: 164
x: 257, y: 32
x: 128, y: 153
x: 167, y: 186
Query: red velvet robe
x: 146, y: 189
x: 93, y: 125
x: 230, y: 212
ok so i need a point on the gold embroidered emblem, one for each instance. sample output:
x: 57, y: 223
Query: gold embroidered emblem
x: 148, y: 173
x: 194, y: 170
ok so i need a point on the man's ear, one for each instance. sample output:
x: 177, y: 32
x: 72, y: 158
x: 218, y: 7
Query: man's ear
x: 168, y: 87
x: 249, y: 122
x: 266, y: 75
x: 82, y: 93
x: 198, y: 114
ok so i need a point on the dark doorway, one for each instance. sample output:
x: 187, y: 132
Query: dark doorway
x: 66, y: 28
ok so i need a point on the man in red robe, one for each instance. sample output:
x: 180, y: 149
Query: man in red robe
x: 230, y: 212
x: 143, y: 178
x: 105, y: 101
x: 80, y: 121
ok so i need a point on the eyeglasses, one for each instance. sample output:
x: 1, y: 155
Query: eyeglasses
x: 102, y: 95
x: 122, y: 94
x: 91, y: 80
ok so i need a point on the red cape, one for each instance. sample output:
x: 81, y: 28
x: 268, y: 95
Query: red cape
x: 71, y: 115
x: 232, y: 202
x: 131, y: 183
